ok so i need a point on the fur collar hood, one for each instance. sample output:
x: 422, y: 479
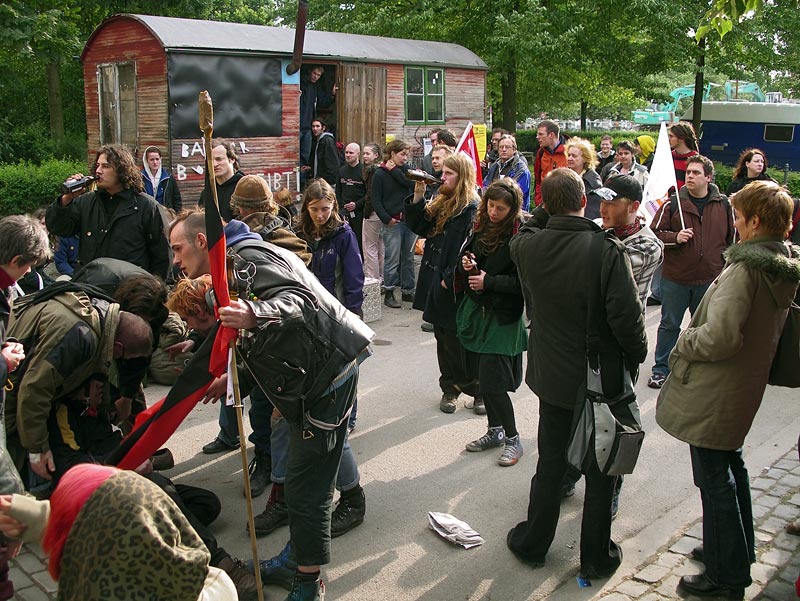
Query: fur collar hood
x: 769, y: 255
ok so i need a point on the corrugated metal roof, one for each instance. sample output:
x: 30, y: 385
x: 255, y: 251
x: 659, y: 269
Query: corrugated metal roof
x: 193, y: 34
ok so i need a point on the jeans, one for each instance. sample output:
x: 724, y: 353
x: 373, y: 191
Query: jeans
x: 532, y: 538
x: 260, y: 420
x: 728, y: 540
x: 398, y: 266
x: 655, y: 284
x: 313, y: 462
x: 305, y: 145
x: 675, y: 299
x: 228, y: 428
x: 347, y: 478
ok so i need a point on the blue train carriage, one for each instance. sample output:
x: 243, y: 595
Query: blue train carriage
x: 730, y: 127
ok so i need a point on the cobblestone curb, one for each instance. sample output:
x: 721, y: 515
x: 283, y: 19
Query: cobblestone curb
x: 776, y: 502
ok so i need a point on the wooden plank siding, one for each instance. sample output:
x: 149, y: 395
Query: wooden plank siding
x: 123, y: 41
x: 465, y: 100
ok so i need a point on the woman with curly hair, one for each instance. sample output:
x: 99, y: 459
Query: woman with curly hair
x: 445, y: 223
x: 752, y: 167
x: 582, y: 159
x: 489, y: 318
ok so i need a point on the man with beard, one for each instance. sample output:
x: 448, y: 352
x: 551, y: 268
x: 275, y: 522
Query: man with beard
x: 117, y: 220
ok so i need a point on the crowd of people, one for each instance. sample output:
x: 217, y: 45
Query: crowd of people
x: 544, y: 261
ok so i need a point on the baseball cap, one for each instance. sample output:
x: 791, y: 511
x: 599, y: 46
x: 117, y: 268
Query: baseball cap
x: 622, y: 186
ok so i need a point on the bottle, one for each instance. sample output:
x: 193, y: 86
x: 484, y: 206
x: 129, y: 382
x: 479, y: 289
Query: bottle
x: 75, y: 185
x: 418, y: 175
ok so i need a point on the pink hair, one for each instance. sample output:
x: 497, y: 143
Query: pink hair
x: 69, y: 497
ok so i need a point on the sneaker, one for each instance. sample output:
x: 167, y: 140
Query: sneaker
x: 448, y: 402
x: 243, y: 578
x: 279, y: 569
x: 349, y: 513
x: 259, y: 470
x: 512, y: 452
x: 408, y: 297
x: 494, y: 437
x: 426, y: 326
x: 218, y: 446
x: 390, y: 301
x: 275, y: 514
x: 478, y: 406
x: 656, y: 380
x: 307, y: 591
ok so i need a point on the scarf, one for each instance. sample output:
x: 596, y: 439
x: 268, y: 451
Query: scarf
x: 628, y: 230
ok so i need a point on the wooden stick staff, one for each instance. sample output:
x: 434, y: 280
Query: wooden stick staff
x: 206, y: 110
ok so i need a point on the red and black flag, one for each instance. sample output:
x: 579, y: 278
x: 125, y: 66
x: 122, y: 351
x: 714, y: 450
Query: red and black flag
x: 157, y: 423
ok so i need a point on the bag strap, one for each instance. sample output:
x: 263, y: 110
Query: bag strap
x: 594, y: 298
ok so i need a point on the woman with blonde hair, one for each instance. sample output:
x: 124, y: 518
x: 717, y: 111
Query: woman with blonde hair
x: 445, y: 222
x: 582, y: 159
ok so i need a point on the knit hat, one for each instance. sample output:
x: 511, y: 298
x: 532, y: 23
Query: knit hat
x: 620, y: 186
x: 252, y: 192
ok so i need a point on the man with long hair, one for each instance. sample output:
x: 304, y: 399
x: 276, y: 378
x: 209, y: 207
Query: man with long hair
x: 445, y: 222
x: 116, y: 220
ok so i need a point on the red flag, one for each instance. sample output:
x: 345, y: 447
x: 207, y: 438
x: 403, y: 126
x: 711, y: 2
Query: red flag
x: 469, y: 147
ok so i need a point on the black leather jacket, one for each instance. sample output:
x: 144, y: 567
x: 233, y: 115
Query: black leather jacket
x: 304, y: 338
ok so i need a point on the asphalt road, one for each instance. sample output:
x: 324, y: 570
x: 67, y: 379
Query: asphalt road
x: 412, y: 461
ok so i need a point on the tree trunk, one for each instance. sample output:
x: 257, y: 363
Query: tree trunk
x: 584, y: 106
x: 697, y: 109
x: 509, y: 89
x: 54, y: 102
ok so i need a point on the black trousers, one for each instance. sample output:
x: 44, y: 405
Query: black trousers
x: 532, y: 538
x: 454, y: 376
x: 312, y: 465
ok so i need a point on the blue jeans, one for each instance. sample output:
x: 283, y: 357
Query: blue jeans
x: 655, y: 284
x: 260, y: 414
x: 398, y: 263
x: 675, y: 299
x: 305, y: 145
x: 348, y: 476
x: 728, y: 540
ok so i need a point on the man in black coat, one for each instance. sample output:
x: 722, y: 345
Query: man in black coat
x: 324, y: 159
x: 117, y: 220
x: 553, y: 265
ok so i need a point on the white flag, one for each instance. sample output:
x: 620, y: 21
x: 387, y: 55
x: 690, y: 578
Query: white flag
x: 661, y: 180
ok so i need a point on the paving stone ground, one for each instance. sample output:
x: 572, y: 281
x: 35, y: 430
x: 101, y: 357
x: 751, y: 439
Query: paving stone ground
x: 776, y: 501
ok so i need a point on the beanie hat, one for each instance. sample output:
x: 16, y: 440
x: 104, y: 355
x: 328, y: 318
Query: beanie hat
x: 252, y: 192
x: 620, y: 186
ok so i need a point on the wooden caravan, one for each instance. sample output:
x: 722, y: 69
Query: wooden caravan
x: 142, y: 75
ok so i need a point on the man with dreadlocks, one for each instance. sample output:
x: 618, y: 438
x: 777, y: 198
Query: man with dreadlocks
x: 445, y: 222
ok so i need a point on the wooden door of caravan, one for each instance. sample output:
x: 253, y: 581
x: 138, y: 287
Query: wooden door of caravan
x: 362, y: 104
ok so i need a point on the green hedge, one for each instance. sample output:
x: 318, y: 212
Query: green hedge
x: 725, y: 175
x: 24, y: 187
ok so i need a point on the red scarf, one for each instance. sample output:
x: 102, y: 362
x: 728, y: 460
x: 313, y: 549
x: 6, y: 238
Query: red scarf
x: 627, y: 230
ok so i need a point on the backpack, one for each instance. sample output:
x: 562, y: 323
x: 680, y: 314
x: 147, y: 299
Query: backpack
x: 340, y: 153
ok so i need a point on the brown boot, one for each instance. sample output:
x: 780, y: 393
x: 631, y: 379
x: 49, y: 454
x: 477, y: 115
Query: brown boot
x: 243, y: 580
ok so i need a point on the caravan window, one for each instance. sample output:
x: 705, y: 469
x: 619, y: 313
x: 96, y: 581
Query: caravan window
x: 116, y: 88
x: 424, y: 95
x: 778, y: 133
